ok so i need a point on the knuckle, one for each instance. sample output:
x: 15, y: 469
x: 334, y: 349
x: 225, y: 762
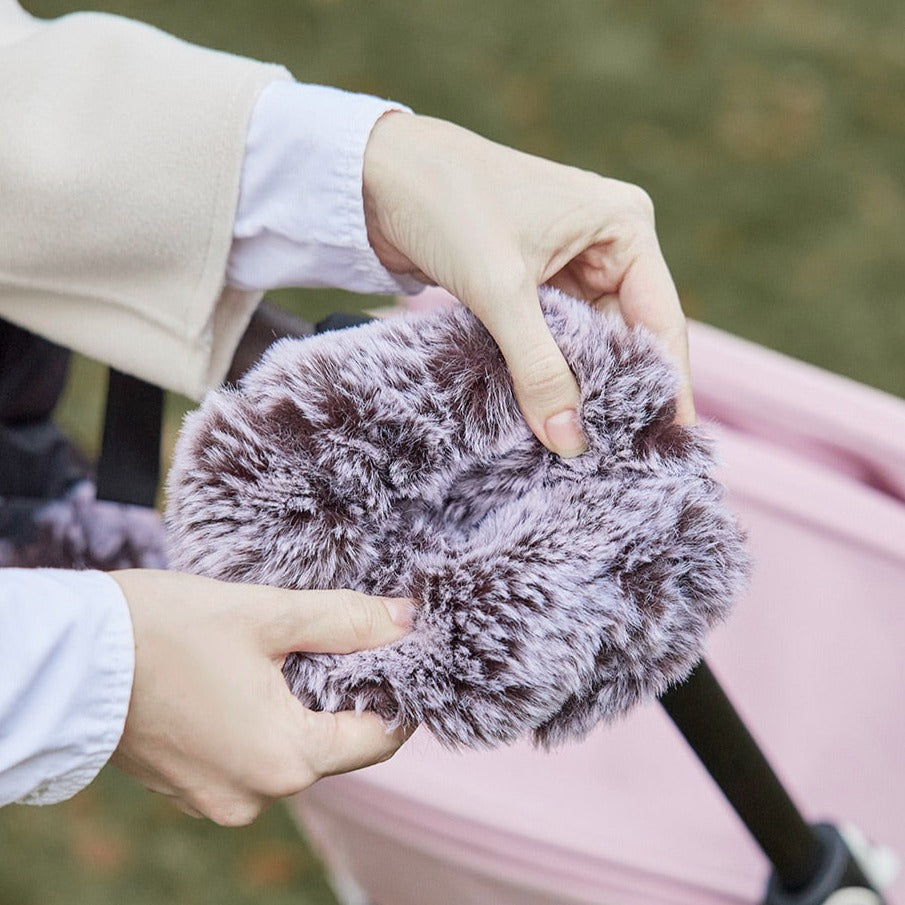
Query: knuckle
x: 361, y: 617
x: 627, y: 202
x: 228, y: 808
x: 640, y: 203
x: 236, y: 813
x: 546, y: 378
x: 393, y: 745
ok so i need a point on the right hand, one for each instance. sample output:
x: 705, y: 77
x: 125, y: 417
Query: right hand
x: 490, y: 225
x: 211, y: 722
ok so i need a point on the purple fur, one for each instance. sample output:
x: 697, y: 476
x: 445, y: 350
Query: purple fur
x: 78, y: 531
x: 392, y: 459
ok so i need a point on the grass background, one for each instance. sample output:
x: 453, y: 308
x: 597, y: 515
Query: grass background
x: 771, y: 136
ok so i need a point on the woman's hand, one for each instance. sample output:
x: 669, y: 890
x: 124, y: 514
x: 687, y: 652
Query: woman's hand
x: 211, y: 722
x: 490, y: 225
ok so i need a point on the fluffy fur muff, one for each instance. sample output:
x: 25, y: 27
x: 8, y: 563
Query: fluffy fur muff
x: 392, y: 459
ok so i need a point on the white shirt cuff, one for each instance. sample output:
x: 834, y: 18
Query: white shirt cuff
x: 67, y: 659
x: 300, y: 218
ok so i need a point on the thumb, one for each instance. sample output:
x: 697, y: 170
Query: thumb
x: 338, y: 622
x: 545, y: 387
x: 341, y: 742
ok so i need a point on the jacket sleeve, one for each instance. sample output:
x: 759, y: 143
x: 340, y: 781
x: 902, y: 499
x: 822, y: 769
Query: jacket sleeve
x: 120, y: 167
x: 66, y: 665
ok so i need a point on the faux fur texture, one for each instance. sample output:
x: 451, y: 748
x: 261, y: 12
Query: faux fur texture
x: 391, y: 458
x: 78, y: 531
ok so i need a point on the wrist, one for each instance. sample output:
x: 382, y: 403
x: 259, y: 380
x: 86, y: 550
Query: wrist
x: 380, y: 157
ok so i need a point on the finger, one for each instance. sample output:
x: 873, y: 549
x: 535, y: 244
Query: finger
x: 346, y: 741
x: 545, y: 387
x: 338, y: 621
x: 648, y: 296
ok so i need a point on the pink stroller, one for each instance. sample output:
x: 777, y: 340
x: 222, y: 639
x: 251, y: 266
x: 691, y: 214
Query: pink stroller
x: 815, y: 466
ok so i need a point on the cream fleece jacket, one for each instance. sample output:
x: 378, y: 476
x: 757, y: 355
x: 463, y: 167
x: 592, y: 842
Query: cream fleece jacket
x: 120, y: 166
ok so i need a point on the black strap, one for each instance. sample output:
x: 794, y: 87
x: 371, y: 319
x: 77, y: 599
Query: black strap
x: 128, y: 470
x: 32, y: 374
x: 36, y: 459
x: 340, y: 320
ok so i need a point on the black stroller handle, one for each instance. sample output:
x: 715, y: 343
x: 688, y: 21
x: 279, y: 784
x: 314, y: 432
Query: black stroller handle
x: 810, y: 863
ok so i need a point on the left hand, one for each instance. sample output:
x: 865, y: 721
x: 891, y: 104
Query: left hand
x: 490, y: 225
x: 211, y: 721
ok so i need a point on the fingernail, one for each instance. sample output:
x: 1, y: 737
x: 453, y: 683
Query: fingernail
x: 402, y: 612
x: 564, y: 433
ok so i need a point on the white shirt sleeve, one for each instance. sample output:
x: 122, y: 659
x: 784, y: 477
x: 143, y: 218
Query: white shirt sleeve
x: 300, y: 217
x: 66, y: 665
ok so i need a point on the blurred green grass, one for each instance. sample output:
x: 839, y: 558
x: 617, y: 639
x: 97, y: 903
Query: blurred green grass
x: 116, y: 844
x: 771, y: 136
